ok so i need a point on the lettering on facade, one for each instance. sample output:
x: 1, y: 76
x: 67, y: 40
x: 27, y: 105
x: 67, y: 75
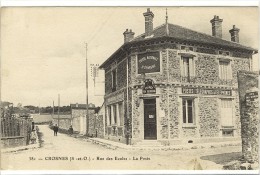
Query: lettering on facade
x: 149, y: 87
x: 251, y: 96
x: 148, y: 62
x: 115, y: 98
x: 206, y: 91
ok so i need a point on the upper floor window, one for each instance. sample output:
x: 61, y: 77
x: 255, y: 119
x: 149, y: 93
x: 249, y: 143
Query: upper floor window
x: 187, y: 71
x: 114, y: 80
x: 224, y: 70
x: 188, y: 111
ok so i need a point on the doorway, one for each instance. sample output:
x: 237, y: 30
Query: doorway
x: 150, y: 127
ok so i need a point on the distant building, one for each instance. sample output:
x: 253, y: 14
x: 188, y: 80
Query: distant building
x: 78, y: 116
x: 175, y: 85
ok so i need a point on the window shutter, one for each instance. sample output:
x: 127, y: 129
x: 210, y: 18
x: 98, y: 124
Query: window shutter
x: 191, y: 67
x: 226, y: 112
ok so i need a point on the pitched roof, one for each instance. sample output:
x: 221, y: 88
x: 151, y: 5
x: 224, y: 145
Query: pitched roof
x: 186, y: 34
x: 82, y: 106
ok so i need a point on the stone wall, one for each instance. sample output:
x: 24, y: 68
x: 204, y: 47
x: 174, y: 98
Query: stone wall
x: 94, y: 122
x: 209, y: 120
x: 163, y: 127
x: 64, y: 123
x: 249, y: 109
x: 77, y: 114
x: 174, y: 113
x: 189, y: 132
x: 174, y: 66
x: 136, y: 115
x: 108, y: 82
x: 13, y: 142
x: 120, y: 77
x: 237, y: 121
x: 239, y: 64
x: 121, y: 74
x: 206, y: 69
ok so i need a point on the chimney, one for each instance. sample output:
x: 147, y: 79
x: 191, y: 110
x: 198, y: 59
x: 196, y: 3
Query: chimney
x: 234, y: 34
x: 148, y: 22
x: 128, y: 35
x: 216, y: 26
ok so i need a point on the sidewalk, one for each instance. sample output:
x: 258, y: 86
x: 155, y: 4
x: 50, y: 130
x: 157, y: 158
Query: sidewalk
x: 22, y: 148
x: 115, y: 145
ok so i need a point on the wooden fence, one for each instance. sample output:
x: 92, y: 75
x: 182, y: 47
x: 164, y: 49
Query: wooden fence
x: 15, y: 131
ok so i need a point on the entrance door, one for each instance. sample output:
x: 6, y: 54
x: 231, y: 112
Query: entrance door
x: 150, y: 128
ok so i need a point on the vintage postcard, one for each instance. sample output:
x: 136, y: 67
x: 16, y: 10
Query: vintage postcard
x: 129, y: 88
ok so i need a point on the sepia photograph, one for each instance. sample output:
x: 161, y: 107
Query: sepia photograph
x: 130, y: 88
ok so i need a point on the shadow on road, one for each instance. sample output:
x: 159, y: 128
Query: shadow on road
x: 223, y: 158
x: 40, y: 138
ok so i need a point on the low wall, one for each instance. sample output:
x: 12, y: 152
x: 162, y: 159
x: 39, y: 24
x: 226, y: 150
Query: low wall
x: 96, y: 126
x: 63, y: 123
x: 10, y: 142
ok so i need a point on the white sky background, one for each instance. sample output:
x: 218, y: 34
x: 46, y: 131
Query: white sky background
x: 43, y: 48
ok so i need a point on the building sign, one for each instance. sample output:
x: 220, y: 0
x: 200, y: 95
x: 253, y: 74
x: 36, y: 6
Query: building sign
x: 206, y: 91
x: 148, y: 62
x: 251, y: 96
x: 149, y: 87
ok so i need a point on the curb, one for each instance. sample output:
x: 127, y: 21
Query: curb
x: 20, y: 148
x: 116, y: 145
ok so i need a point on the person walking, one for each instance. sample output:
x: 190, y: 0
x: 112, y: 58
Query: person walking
x: 70, y: 130
x: 55, y: 129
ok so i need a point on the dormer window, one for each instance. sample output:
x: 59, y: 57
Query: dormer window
x: 224, y: 53
x: 187, y: 48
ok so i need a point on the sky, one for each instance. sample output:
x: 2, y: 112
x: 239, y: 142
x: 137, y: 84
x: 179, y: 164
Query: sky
x: 43, y: 49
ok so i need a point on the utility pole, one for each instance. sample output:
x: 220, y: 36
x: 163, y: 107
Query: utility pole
x: 58, y: 109
x: 87, y: 115
x: 52, y: 108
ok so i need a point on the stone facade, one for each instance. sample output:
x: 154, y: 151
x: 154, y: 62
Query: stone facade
x: 249, y: 102
x: 169, y: 85
x: 206, y: 69
x: 209, y: 117
x: 64, y: 121
x: 78, y: 117
x: 191, y: 83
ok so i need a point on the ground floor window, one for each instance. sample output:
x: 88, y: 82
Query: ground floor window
x: 227, y: 118
x: 115, y: 114
x: 109, y: 116
x: 226, y: 112
x: 121, y: 114
x: 188, y: 111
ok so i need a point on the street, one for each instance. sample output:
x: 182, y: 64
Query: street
x: 68, y: 153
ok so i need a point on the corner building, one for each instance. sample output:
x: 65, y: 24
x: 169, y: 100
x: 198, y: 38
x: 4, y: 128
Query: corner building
x: 172, y: 85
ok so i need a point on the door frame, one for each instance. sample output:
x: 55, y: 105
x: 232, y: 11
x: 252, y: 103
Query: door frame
x: 156, y: 117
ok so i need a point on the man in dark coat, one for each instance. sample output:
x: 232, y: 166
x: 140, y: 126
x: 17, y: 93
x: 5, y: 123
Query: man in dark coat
x: 55, y: 129
x: 70, y: 130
